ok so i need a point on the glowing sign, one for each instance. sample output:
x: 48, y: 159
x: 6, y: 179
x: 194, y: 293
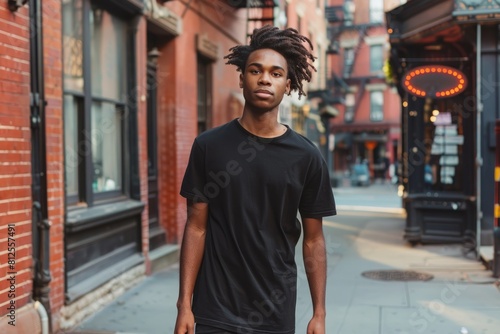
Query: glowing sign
x: 435, y: 81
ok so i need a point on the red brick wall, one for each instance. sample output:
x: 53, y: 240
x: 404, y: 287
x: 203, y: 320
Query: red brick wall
x: 15, y: 149
x: 15, y: 158
x: 177, y: 115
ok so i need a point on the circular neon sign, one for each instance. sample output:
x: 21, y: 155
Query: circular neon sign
x: 435, y: 81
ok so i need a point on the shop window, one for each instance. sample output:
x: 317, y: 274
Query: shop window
x: 96, y: 74
x: 204, y: 93
x: 376, y: 58
x: 376, y: 106
x: 444, y: 140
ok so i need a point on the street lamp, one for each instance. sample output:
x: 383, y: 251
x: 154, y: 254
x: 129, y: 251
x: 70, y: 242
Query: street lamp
x: 153, y: 56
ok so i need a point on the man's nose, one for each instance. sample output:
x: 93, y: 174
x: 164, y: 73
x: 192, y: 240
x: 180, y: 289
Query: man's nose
x: 264, y: 78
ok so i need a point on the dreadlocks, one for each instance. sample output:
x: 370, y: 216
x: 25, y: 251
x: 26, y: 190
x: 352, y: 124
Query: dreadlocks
x: 288, y: 42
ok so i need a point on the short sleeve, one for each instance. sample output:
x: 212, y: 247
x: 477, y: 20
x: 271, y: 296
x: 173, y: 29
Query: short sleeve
x: 194, y: 179
x: 317, y: 197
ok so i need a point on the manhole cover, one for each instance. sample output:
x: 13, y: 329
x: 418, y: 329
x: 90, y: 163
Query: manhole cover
x: 397, y: 275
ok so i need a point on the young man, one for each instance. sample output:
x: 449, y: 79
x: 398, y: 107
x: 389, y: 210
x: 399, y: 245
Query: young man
x: 245, y: 183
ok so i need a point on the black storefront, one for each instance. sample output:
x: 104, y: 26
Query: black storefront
x: 445, y: 58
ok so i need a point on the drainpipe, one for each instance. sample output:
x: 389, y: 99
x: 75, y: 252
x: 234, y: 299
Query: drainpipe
x: 40, y: 224
x: 479, y: 159
x: 44, y: 318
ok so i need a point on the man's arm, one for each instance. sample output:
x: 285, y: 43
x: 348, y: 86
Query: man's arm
x: 193, y: 245
x: 314, y: 253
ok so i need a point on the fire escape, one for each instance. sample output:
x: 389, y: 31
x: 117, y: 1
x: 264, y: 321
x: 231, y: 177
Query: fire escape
x: 341, y: 19
x: 338, y: 19
x: 259, y: 12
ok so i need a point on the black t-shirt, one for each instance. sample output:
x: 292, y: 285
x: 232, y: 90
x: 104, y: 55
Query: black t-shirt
x: 254, y: 188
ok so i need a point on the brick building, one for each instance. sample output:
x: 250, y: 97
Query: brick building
x: 368, y: 125
x: 100, y: 102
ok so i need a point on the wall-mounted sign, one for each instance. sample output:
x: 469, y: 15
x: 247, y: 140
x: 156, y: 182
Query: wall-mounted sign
x: 434, y: 81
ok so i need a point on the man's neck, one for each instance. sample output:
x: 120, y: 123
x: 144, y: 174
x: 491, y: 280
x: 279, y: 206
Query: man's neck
x: 265, y: 125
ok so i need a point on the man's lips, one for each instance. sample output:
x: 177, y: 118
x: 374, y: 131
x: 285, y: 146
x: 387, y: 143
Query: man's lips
x: 263, y: 93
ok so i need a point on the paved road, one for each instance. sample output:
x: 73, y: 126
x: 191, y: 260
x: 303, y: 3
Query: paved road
x: 376, y: 196
x: 460, y: 296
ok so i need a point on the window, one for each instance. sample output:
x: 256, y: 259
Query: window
x: 287, y: 13
x: 376, y: 106
x: 204, y: 94
x: 376, y: 58
x: 348, y: 61
x: 95, y: 101
x: 349, y: 8
x: 349, y: 108
x: 376, y: 11
x: 444, y: 146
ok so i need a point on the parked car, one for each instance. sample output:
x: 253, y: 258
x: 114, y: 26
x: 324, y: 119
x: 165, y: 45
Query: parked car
x: 360, y: 175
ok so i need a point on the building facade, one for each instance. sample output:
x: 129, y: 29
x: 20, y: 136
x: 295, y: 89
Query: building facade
x: 101, y: 101
x: 367, y: 129
x: 448, y: 115
x: 304, y: 114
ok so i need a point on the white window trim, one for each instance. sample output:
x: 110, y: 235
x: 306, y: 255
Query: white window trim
x: 376, y: 87
x: 373, y: 40
x: 348, y: 43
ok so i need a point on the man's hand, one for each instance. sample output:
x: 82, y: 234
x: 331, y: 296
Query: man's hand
x: 185, y: 322
x: 314, y: 252
x: 316, y: 326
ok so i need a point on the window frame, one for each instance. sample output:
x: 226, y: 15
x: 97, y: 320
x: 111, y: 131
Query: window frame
x: 376, y: 64
x: 348, y: 60
x: 86, y: 196
x: 204, y: 68
x: 374, y: 112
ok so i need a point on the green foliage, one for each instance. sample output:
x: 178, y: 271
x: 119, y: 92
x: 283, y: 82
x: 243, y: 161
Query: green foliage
x: 388, y: 73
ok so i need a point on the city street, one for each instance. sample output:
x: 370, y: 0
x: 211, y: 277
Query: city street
x: 433, y: 289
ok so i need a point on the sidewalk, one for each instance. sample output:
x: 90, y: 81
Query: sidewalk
x: 364, y: 240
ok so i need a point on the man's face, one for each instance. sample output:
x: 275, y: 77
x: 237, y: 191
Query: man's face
x: 265, y: 80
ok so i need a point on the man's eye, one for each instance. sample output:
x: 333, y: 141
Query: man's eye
x: 254, y: 71
x: 277, y: 74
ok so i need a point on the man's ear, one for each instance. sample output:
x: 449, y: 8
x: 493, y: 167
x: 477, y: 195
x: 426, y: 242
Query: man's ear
x: 288, y: 84
x: 241, y: 80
